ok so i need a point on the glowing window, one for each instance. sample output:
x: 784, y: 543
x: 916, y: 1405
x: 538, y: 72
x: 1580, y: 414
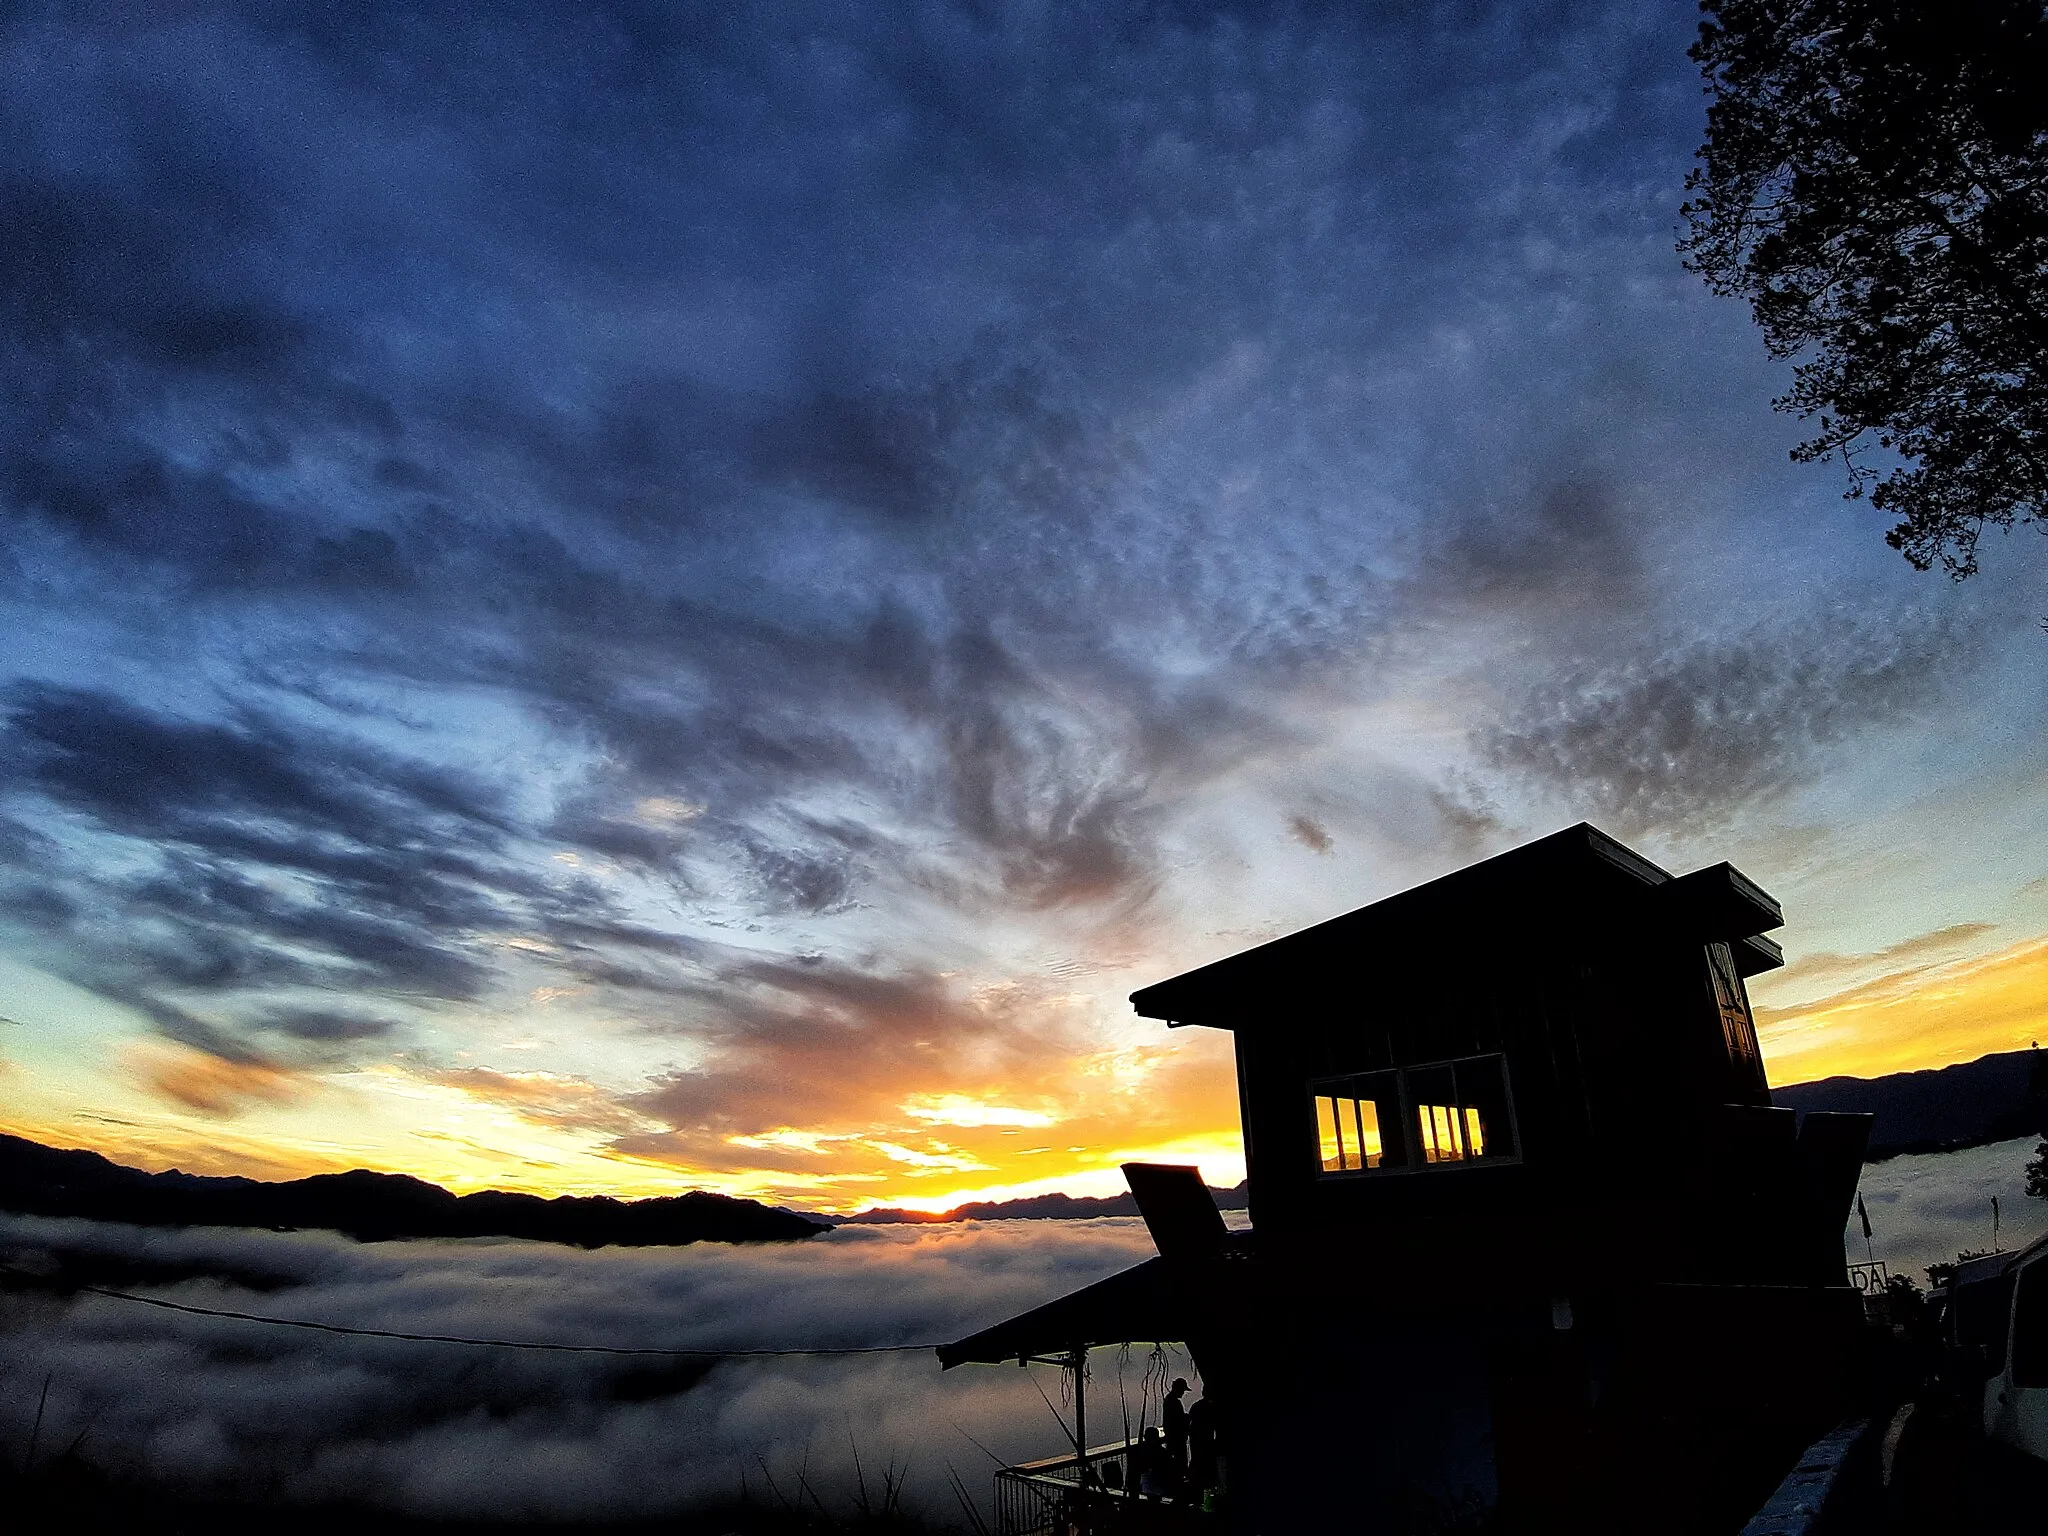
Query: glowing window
x: 1358, y: 1122
x: 1419, y: 1117
x: 1451, y: 1133
x: 1349, y: 1131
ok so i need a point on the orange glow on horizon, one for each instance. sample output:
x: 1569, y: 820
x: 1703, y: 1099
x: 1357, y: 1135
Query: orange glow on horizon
x: 1912, y: 1018
x: 1058, y: 1118
x: 1067, y: 1129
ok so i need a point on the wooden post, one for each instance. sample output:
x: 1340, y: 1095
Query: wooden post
x: 1080, y: 1369
x: 1083, y: 1504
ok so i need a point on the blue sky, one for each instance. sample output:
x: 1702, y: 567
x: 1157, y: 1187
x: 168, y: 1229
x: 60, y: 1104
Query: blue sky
x: 608, y: 596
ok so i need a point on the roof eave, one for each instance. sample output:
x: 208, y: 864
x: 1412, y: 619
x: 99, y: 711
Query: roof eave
x: 1131, y: 1305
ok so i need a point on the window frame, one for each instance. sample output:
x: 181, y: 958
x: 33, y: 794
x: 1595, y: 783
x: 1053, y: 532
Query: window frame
x: 1736, y: 1013
x: 2026, y: 1351
x: 1350, y: 1083
x: 1326, y: 1087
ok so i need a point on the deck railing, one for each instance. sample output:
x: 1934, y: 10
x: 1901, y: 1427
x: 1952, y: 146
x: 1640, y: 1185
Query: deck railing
x: 1048, y: 1496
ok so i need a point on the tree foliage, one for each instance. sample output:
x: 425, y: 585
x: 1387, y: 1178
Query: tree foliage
x: 1875, y: 183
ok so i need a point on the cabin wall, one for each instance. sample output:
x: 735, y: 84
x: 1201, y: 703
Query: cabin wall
x: 1363, y: 1427
x: 1615, y: 1065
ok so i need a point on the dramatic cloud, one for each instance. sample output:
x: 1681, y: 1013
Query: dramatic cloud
x: 1688, y: 735
x: 250, y: 857
x: 1923, y: 948
x: 677, y: 581
x: 1310, y: 833
x: 211, y: 1085
x: 545, y: 1099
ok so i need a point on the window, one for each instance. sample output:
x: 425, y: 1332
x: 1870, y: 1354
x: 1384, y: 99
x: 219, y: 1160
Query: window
x: 2030, y: 1328
x: 1417, y: 1117
x: 1461, y: 1110
x: 1349, y: 1115
x: 1738, y: 1033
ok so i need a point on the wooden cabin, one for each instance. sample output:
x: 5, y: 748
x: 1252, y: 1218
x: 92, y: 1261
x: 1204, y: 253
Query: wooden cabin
x: 1530, y: 1247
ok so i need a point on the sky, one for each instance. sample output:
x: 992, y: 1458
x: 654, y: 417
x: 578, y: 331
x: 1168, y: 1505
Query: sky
x: 624, y: 598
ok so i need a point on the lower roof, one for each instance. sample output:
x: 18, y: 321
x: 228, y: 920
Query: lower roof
x: 1135, y: 1305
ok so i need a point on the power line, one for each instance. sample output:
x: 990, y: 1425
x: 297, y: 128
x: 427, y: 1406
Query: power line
x: 449, y: 1338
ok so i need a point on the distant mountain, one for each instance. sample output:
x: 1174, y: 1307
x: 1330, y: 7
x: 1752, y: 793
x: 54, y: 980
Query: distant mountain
x: 45, y: 1181
x: 1994, y: 1098
x: 1054, y: 1207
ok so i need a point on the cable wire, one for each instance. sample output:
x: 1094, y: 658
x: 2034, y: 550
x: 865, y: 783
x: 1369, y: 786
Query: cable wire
x: 449, y: 1338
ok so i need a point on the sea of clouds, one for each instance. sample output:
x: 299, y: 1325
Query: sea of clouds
x: 435, y: 1429
x: 1927, y: 1209
x: 232, y: 1407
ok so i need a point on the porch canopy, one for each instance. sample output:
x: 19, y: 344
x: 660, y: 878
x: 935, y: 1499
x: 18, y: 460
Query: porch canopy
x: 1139, y: 1305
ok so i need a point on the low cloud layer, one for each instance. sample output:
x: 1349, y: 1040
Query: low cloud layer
x: 1926, y: 1210
x: 239, y: 1409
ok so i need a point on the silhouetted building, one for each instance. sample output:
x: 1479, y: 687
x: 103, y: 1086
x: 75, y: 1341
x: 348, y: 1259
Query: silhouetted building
x: 1530, y: 1247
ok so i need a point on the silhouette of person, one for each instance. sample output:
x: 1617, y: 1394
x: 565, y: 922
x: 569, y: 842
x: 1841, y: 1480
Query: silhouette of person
x: 1174, y: 1415
x: 1149, y: 1468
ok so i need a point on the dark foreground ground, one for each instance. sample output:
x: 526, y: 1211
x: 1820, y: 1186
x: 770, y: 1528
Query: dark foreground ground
x: 71, y: 1499
x: 1945, y: 1480
x: 1942, y: 1482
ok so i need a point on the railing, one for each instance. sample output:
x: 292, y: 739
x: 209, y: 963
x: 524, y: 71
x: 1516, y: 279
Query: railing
x: 1048, y: 1497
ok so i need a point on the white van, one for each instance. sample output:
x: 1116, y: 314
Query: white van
x: 2016, y: 1400
x: 1995, y: 1327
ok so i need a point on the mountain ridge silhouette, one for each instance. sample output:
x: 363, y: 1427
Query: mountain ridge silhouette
x: 38, y: 1180
x: 1938, y: 1109
x: 1053, y: 1207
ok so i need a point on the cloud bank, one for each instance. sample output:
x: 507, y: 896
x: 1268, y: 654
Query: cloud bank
x: 1926, y: 1210
x: 233, y: 1409
x: 241, y: 1410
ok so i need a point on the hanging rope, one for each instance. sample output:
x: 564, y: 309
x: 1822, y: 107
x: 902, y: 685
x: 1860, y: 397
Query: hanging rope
x: 1158, y: 1372
x: 476, y: 1343
x: 1123, y: 1360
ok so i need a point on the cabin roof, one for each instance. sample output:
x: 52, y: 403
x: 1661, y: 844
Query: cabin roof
x: 1577, y: 876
